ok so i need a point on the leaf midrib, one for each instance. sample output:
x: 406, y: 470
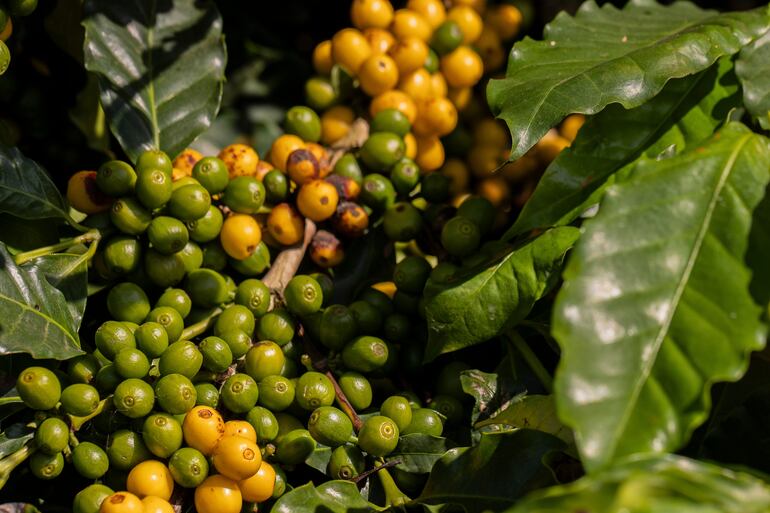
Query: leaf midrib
x: 151, y: 74
x: 678, y: 292
x: 50, y: 320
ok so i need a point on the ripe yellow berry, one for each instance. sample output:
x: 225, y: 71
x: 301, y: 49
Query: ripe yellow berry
x: 260, y: 486
x: 322, y: 57
x: 240, y: 159
x: 185, y: 161
x: 202, y: 427
x: 236, y: 457
x: 469, y: 21
x: 240, y: 235
x: 285, y: 224
x: 394, y: 99
x: 417, y: 84
x: 409, y: 53
x: 240, y: 428
x: 335, y: 123
x: 432, y: 10
x: 440, y: 115
x: 505, y: 20
x: 122, y: 502
x: 150, y: 478
x: 462, y: 67
x: 218, y: 494
x: 430, y: 154
x: 408, y: 23
x: 378, y: 74
x: 317, y: 200
x: 410, y: 143
x: 282, y: 147
x: 380, y: 40
x: 350, y: 49
x: 371, y: 13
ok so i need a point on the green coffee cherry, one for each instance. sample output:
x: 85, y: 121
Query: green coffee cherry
x: 346, y: 462
x: 264, y: 423
x: 313, y: 390
x: 330, y: 426
x: 175, y: 394
x: 378, y: 436
x: 134, y: 398
x: 365, y: 354
x: 357, y: 389
x: 116, y: 178
x: 154, y: 187
x: 397, y: 408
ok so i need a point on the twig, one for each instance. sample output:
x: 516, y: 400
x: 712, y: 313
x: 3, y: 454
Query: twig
x: 286, y: 264
x: 26, y: 256
x: 200, y: 327
x: 360, y: 477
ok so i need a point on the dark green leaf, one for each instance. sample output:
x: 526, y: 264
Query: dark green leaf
x: 69, y: 274
x: 532, y: 412
x: 88, y: 116
x: 656, y: 306
x: 660, y: 484
x: 604, y: 55
x: 490, y: 392
x: 753, y: 68
x: 24, y: 234
x: 758, y: 254
x: 14, y: 438
x: 26, y: 190
x: 493, y: 474
x: 477, y: 304
x: 34, y: 316
x: 418, y: 452
x: 160, y: 67
x: 686, y: 112
x: 367, y: 260
x: 330, y: 497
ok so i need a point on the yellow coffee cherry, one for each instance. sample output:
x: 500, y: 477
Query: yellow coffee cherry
x: 483, y: 159
x: 432, y: 10
x: 491, y: 50
x: 335, y: 123
x: 462, y: 67
x: 150, y: 478
x: 408, y: 23
x: 394, y: 99
x: 185, y: 161
x: 218, y: 494
x: 438, y: 84
x: 302, y: 166
x: 495, y: 189
x: 386, y: 287
x: 430, y: 154
x: 371, y: 13
x: 571, y: 125
x: 491, y: 132
x: 421, y: 127
x: 505, y: 20
x: 282, y: 147
x: 410, y: 144
x: 240, y: 236
x: 236, y: 457
x: 378, y: 74
x: 458, y: 174
x: 469, y: 21
x: 549, y: 147
x: 260, y: 486
x: 202, y: 427
x: 326, y: 250
x: 122, y: 502
x: 156, y: 505
x: 285, y: 224
x: 380, y: 40
x: 240, y: 428
x: 84, y: 196
x: 240, y: 159
x: 461, y: 97
x: 322, y: 57
x: 417, y: 84
x: 440, y: 115
x: 317, y: 200
x: 350, y: 220
x: 322, y: 156
x: 410, y: 54
x: 350, y: 49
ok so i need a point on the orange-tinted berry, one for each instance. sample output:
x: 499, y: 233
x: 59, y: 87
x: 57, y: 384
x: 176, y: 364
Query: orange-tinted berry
x: 285, y: 224
x: 240, y: 236
x: 185, y: 161
x: 240, y: 159
x: 317, y: 200
x: 347, y: 188
x: 469, y: 21
x: 371, y: 13
x: 282, y: 148
x: 417, y: 85
x: 378, y: 74
x: 335, y: 123
x: 380, y: 40
x: 302, y: 166
x: 326, y: 249
x: 350, y: 49
x: 432, y: 11
x: 462, y: 67
x: 322, y: 57
x: 394, y: 99
x: 409, y: 54
x: 83, y: 194
x: 408, y: 23
x: 351, y: 220
x: 430, y: 154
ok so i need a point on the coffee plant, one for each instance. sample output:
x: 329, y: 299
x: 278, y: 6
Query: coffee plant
x: 383, y: 273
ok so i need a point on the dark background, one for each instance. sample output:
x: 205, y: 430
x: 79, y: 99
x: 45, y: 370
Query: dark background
x: 269, y: 45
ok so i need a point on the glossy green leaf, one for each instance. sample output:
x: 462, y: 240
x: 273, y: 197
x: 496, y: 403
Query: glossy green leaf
x: 656, y: 305
x: 329, y: 497
x: 418, y: 452
x: 531, y: 412
x: 752, y: 68
x: 491, y: 392
x: 88, y: 116
x: 367, y: 260
x: 14, y: 438
x: 476, y: 304
x: 26, y: 190
x: 34, y: 316
x: 69, y: 274
x: 320, y: 457
x: 493, y: 474
x: 686, y: 112
x: 606, y: 55
x: 758, y: 254
x: 655, y: 484
x: 160, y: 67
